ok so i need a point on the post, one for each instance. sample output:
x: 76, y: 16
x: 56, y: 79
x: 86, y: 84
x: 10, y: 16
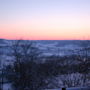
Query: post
x: 2, y: 79
x: 63, y: 88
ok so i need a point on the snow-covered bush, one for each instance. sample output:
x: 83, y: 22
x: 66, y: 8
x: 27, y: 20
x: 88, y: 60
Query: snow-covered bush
x: 68, y: 80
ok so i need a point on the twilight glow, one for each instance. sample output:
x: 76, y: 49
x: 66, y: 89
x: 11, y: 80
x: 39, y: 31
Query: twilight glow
x: 45, y: 19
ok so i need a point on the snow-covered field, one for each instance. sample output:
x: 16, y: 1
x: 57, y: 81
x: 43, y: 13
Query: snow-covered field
x: 47, y: 48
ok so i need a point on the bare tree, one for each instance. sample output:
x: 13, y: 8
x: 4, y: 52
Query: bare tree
x: 26, y: 56
x: 83, y: 57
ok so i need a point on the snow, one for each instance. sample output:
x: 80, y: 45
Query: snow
x: 7, y: 86
x: 74, y: 88
x: 48, y: 49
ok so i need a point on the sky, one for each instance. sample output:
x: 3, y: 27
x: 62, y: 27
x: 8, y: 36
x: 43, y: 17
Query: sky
x: 45, y: 19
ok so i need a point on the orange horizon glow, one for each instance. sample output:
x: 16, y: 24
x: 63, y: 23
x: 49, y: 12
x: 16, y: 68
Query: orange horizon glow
x: 32, y: 35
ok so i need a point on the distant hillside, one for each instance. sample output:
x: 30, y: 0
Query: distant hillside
x: 2, y: 41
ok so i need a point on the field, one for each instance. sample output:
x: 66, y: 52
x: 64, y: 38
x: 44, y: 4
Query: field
x: 45, y: 64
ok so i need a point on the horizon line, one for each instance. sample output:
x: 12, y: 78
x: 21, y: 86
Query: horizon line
x: 47, y: 39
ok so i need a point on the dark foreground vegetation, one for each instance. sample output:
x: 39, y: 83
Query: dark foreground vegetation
x: 30, y: 72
